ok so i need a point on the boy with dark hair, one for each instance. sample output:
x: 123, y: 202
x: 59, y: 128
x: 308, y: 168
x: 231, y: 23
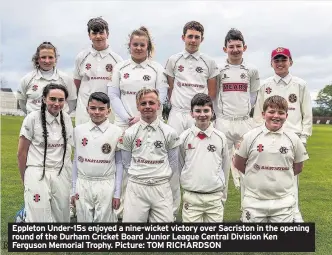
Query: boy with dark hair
x: 205, y: 155
x: 238, y: 83
x: 188, y: 73
x: 296, y: 92
x: 270, y: 157
x: 93, y: 67
x: 97, y: 168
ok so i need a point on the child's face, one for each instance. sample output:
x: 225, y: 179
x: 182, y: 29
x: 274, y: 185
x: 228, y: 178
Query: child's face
x: 148, y: 106
x: 192, y: 39
x: 234, y: 50
x: 99, y: 39
x: 98, y: 111
x: 274, y: 118
x: 202, y: 114
x: 139, y: 48
x: 281, y: 65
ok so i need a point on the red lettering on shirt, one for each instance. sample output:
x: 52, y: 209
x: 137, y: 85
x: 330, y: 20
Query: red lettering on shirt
x: 243, y: 87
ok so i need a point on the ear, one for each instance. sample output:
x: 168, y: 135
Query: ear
x: 44, y: 100
x: 291, y: 62
x: 263, y: 114
x: 183, y: 37
x: 224, y: 49
x: 244, y: 48
x: 192, y: 114
x: 202, y: 39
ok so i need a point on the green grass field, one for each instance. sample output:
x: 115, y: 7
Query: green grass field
x: 315, y: 186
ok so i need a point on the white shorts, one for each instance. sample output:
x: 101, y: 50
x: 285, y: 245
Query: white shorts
x: 180, y: 120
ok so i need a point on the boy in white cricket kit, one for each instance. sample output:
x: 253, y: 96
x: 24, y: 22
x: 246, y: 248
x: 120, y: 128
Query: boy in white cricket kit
x: 97, y: 168
x: 238, y: 83
x: 205, y: 154
x: 296, y: 92
x: 188, y: 73
x: 270, y: 157
x: 150, y: 153
x: 93, y: 68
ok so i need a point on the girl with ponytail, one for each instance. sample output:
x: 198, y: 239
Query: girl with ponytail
x: 44, y: 152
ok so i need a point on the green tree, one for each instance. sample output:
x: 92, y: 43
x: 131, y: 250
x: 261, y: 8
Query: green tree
x: 324, y: 98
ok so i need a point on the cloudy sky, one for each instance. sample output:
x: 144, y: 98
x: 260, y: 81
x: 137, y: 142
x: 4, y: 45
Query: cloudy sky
x: 302, y: 26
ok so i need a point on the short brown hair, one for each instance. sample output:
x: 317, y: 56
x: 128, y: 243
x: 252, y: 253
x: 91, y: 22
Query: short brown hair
x: 201, y: 99
x: 193, y: 25
x: 277, y: 102
x: 98, y: 25
x: 145, y: 91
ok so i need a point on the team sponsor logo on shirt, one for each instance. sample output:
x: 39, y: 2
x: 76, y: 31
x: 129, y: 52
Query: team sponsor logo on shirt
x: 84, y: 141
x: 292, y: 98
x: 88, y: 66
x: 126, y: 75
x: 283, y: 150
x: 106, y: 148
x: 224, y: 76
x: 158, y: 144
x: 278, y: 168
x: 109, y: 68
x: 80, y: 159
x: 145, y: 161
x: 291, y: 108
x: 180, y: 68
x: 100, y: 78
x: 51, y: 145
x: 35, y: 87
x: 211, y: 148
x: 146, y: 77
x: 243, y: 76
x: 183, y: 84
x: 91, y: 160
x: 268, y: 90
x: 257, y: 167
x: 138, y: 142
x: 36, y: 198
x: 36, y: 101
x: 260, y: 147
x: 199, y: 69
x: 243, y: 87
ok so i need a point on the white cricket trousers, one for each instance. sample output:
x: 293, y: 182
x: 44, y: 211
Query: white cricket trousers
x: 180, y: 120
x: 274, y: 210
x: 94, y: 199
x: 145, y: 202
x: 199, y: 207
x: 47, y: 200
x: 234, y: 129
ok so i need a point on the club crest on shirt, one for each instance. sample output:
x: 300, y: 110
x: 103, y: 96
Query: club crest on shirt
x: 283, y: 150
x: 109, y: 68
x: 211, y: 148
x: 106, y: 148
x: 292, y: 98
x: 268, y: 90
x: 257, y: 167
x: 35, y: 87
x: 80, y: 159
x: 260, y: 147
x: 186, y: 205
x: 146, y: 77
x: 199, y: 69
x: 126, y: 75
x: 190, y: 147
x: 180, y: 68
x: 88, y: 66
x: 84, y: 141
x: 248, y: 216
x: 77, y: 196
x: 138, y: 142
x: 243, y: 76
x: 158, y: 144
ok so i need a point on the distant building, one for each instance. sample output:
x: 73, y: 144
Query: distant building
x: 9, y: 103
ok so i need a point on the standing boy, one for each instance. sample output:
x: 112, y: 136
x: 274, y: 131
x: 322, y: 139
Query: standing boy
x: 97, y: 170
x: 93, y: 67
x: 270, y: 157
x: 188, y: 73
x: 238, y: 83
x: 205, y: 154
x: 296, y: 92
x: 150, y: 153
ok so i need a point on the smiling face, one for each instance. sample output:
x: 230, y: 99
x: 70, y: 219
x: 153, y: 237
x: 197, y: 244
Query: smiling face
x: 192, y: 39
x: 274, y: 118
x: 148, y: 105
x: 46, y: 59
x: 98, y: 111
x: 281, y: 65
x: 139, y: 48
x: 55, y: 101
x: 234, y: 50
x: 99, y: 39
x: 202, y: 115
